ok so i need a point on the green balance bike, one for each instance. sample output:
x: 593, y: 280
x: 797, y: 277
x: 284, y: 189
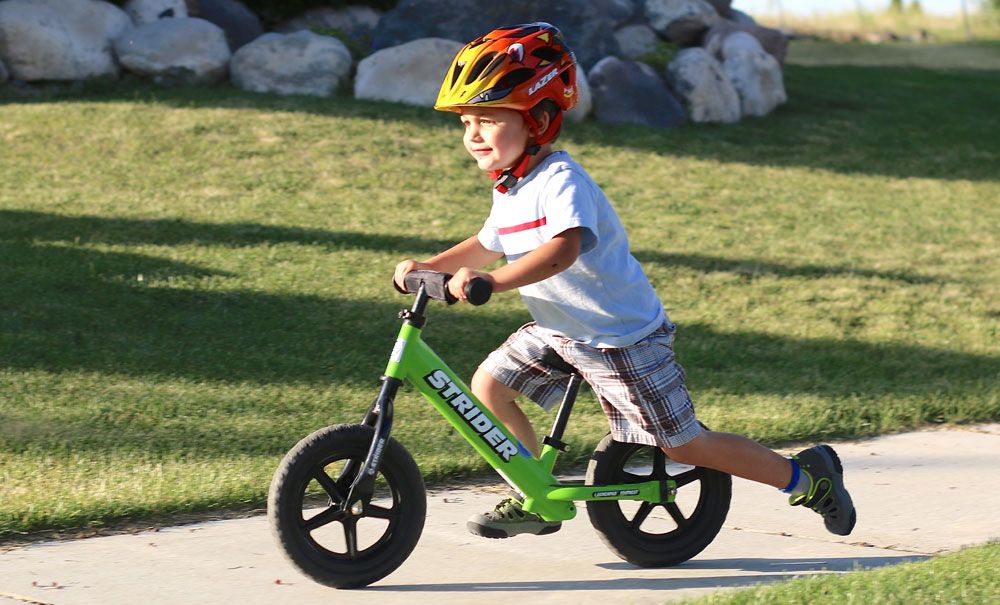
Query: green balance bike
x: 347, y: 504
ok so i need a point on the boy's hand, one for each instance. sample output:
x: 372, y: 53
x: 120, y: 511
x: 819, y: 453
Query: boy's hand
x: 405, y: 267
x: 456, y: 285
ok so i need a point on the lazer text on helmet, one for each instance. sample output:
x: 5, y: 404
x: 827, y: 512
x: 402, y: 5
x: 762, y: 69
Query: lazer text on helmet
x: 545, y: 80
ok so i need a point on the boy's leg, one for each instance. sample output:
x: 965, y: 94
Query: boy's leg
x: 736, y: 455
x: 813, y: 477
x: 499, y: 398
x: 507, y: 518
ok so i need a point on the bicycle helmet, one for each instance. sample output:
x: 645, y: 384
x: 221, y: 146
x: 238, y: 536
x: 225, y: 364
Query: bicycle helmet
x: 517, y: 68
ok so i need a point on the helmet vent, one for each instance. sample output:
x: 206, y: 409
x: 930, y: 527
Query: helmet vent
x: 479, y: 67
x: 547, y: 54
x: 518, y: 76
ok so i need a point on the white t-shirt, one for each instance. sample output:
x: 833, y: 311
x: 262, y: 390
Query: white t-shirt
x: 604, y: 299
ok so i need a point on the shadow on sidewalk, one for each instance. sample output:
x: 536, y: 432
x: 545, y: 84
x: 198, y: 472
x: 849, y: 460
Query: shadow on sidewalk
x: 768, y: 570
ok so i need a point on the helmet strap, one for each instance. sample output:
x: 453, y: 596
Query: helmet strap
x: 505, y: 180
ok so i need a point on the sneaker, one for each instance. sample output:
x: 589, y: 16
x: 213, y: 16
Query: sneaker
x: 827, y: 495
x: 509, y: 519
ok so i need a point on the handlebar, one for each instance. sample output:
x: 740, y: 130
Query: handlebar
x: 478, y: 290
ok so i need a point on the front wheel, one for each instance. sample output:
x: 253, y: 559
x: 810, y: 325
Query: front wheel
x: 338, y: 547
x: 656, y: 534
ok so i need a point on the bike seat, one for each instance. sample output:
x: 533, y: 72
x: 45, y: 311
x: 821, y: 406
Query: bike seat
x: 554, y: 360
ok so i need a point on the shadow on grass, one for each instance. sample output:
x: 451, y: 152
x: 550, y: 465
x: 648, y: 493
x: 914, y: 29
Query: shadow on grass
x: 750, y: 268
x: 66, y: 308
x: 30, y: 226
x: 895, y: 121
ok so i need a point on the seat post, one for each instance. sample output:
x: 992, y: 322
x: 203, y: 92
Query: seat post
x: 554, y: 438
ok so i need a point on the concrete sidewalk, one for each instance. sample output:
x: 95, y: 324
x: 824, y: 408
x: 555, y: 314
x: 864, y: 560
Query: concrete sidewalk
x: 917, y: 494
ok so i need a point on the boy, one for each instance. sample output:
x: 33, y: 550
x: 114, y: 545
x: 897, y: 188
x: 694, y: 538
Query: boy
x: 568, y: 255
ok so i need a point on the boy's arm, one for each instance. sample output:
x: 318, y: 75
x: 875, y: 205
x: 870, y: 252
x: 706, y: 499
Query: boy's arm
x: 469, y: 253
x: 543, y: 262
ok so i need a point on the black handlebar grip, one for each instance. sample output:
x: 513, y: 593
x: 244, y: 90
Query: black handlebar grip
x: 478, y: 291
x: 435, y: 284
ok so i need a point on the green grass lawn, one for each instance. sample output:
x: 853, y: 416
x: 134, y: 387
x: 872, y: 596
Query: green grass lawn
x: 192, y: 280
x: 968, y: 576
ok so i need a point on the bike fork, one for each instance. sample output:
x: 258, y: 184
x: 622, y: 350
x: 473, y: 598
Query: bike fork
x: 379, y: 416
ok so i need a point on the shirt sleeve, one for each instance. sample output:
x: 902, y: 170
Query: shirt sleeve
x: 489, y: 236
x: 570, y: 202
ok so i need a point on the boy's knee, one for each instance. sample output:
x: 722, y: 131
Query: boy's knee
x: 491, y: 391
x: 691, y: 452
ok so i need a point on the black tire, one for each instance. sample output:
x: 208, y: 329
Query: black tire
x: 320, y: 545
x: 656, y: 535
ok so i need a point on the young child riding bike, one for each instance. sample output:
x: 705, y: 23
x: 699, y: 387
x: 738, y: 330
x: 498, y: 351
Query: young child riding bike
x: 568, y: 255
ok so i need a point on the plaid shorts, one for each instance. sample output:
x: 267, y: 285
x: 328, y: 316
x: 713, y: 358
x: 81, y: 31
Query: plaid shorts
x: 640, y: 387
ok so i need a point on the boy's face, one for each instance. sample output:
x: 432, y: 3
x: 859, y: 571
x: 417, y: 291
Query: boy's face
x: 494, y: 136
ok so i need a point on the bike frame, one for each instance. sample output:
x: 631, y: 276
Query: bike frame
x: 413, y: 360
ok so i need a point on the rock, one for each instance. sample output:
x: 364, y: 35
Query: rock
x: 585, y: 102
x: 636, y: 40
x: 410, y: 73
x: 741, y: 18
x: 355, y: 21
x: 147, y: 11
x: 587, y: 25
x: 3, y: 73
x: 754, y: 74
x: 698, y: 78
x: 723, y: 7
x: 59, y: 39
x: 299, y: 63
x: 629, y: 92
x: 681, y: 21
x: 239, y: 23
x: 773, y: 41
x: 175, y: 51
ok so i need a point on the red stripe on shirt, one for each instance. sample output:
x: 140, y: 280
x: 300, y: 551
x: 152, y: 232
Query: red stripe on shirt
x: 522, y: 227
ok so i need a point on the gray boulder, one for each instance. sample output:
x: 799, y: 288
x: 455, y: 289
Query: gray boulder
x: 754, y: 74
x: 59, y: 39
x: 175, y: 51
x: 738, y: 16
x: 681, y: 21
x: 723, y: 7
x: 636, y: 40
x: 698, y: 78
x: 356, y: 21
x: 239, y: 23
x: 774, y: 41
x: 587, y: 25
x: 629, y: 92
x: 299, y: 63
x: 147, y: 11
x: 410, y: 73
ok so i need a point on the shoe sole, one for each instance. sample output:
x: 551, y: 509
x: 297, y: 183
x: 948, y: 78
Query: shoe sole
x: 839, y: 489
x: 498, y: 534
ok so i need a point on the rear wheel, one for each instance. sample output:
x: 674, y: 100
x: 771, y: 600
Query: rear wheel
x: 334, y: 546
x: 656, y: 534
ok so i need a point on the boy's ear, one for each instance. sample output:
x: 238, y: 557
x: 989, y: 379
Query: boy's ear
x: 542, y: 123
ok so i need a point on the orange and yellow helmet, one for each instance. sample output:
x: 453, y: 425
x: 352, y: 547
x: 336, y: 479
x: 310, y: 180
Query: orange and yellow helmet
x: 512, y: 67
